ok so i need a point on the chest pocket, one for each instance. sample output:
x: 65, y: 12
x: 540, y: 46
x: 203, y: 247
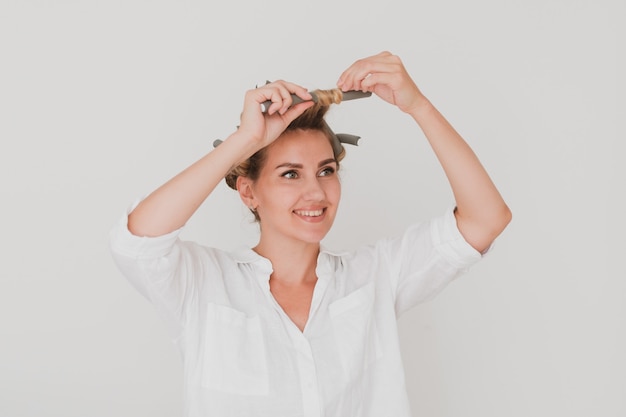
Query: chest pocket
x: 234, y: 358
x: 355, y: 331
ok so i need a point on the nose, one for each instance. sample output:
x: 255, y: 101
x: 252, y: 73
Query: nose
x: 313, y: 190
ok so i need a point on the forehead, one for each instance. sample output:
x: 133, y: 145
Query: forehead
x: 300, y: 145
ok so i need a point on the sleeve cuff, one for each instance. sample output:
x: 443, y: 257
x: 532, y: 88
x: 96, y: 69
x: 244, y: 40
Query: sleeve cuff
x: 125, y: 243
x: 450, y: 243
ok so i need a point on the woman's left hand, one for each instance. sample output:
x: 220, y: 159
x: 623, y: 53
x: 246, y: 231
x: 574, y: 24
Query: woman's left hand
x: 384, y: 75
x: 481, y: 213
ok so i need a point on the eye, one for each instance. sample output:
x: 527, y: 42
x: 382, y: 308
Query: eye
x: 327, y: 171
x: 290, y: 175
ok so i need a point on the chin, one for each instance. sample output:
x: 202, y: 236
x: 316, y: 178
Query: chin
x: 314, y: 237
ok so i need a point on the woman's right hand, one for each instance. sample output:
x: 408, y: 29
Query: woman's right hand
x: 170, y: 206
x: 262, y: 128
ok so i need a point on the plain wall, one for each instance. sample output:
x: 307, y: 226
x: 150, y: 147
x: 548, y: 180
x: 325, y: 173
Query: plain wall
x: 101, y: 102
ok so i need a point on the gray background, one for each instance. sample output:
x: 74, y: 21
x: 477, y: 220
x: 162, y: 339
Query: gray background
x: 101, y: 102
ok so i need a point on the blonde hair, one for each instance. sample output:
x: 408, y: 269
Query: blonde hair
x: 311, y: 119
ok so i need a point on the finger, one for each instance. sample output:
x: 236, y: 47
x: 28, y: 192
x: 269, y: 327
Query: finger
x: 362, y: 79
x: 277, y: 95
x: 251, y: 102
x: 283, y: 98
x: 371, y: 81
x: 392, y: 80
x: 352, y: 77
x: 286, y: 98
x: 298, y: 90
x: 294, y: 91
x: 362, y: 69
x: 296, y: 110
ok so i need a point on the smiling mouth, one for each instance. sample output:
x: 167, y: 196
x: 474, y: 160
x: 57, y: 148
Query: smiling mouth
x: 309, y: 213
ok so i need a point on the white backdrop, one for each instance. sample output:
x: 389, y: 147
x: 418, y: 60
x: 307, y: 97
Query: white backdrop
x: 101, y: 102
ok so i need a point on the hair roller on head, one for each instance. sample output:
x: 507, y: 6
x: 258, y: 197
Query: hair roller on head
x: 310, y: 119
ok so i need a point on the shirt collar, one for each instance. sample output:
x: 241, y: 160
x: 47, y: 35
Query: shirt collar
x: 326, y: 261
x: 245, y: 255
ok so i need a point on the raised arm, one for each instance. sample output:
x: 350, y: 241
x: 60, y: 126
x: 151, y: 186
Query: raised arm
x: 481, y: 212
x: 170, y: 206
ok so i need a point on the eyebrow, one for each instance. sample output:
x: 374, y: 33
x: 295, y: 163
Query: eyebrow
x: 300, y: 166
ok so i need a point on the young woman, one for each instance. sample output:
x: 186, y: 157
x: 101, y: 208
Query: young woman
x: 284, y: 328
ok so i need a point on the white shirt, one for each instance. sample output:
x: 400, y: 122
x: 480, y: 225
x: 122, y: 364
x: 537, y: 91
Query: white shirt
x: 242, y: 354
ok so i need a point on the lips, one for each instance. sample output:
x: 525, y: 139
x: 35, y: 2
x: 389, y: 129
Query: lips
x: 309, y: 213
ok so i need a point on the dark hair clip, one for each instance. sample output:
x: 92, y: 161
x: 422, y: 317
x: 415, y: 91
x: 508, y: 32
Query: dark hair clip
x: 337, y: 138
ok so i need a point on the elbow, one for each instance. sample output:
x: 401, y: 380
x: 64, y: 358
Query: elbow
x: 480, y: 233
x: 504, y: 218
x: 498, y: 222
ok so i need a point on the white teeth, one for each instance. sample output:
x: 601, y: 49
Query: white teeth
x: 309, y: 213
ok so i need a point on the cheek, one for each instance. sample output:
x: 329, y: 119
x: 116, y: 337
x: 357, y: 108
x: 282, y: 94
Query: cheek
x: 334, y: 190
x: 279, y: 197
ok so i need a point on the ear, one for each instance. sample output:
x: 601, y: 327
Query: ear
x: 246, y: 192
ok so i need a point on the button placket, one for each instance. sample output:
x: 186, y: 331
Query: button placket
x: 308, y: 378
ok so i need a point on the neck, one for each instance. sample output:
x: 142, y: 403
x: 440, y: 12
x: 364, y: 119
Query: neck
x: 293, y: 263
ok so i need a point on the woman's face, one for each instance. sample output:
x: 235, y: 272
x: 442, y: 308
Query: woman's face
x: 298, y: 189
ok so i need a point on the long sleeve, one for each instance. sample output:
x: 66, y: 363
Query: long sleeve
x: 161, y: 268
x: 426, y: 258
